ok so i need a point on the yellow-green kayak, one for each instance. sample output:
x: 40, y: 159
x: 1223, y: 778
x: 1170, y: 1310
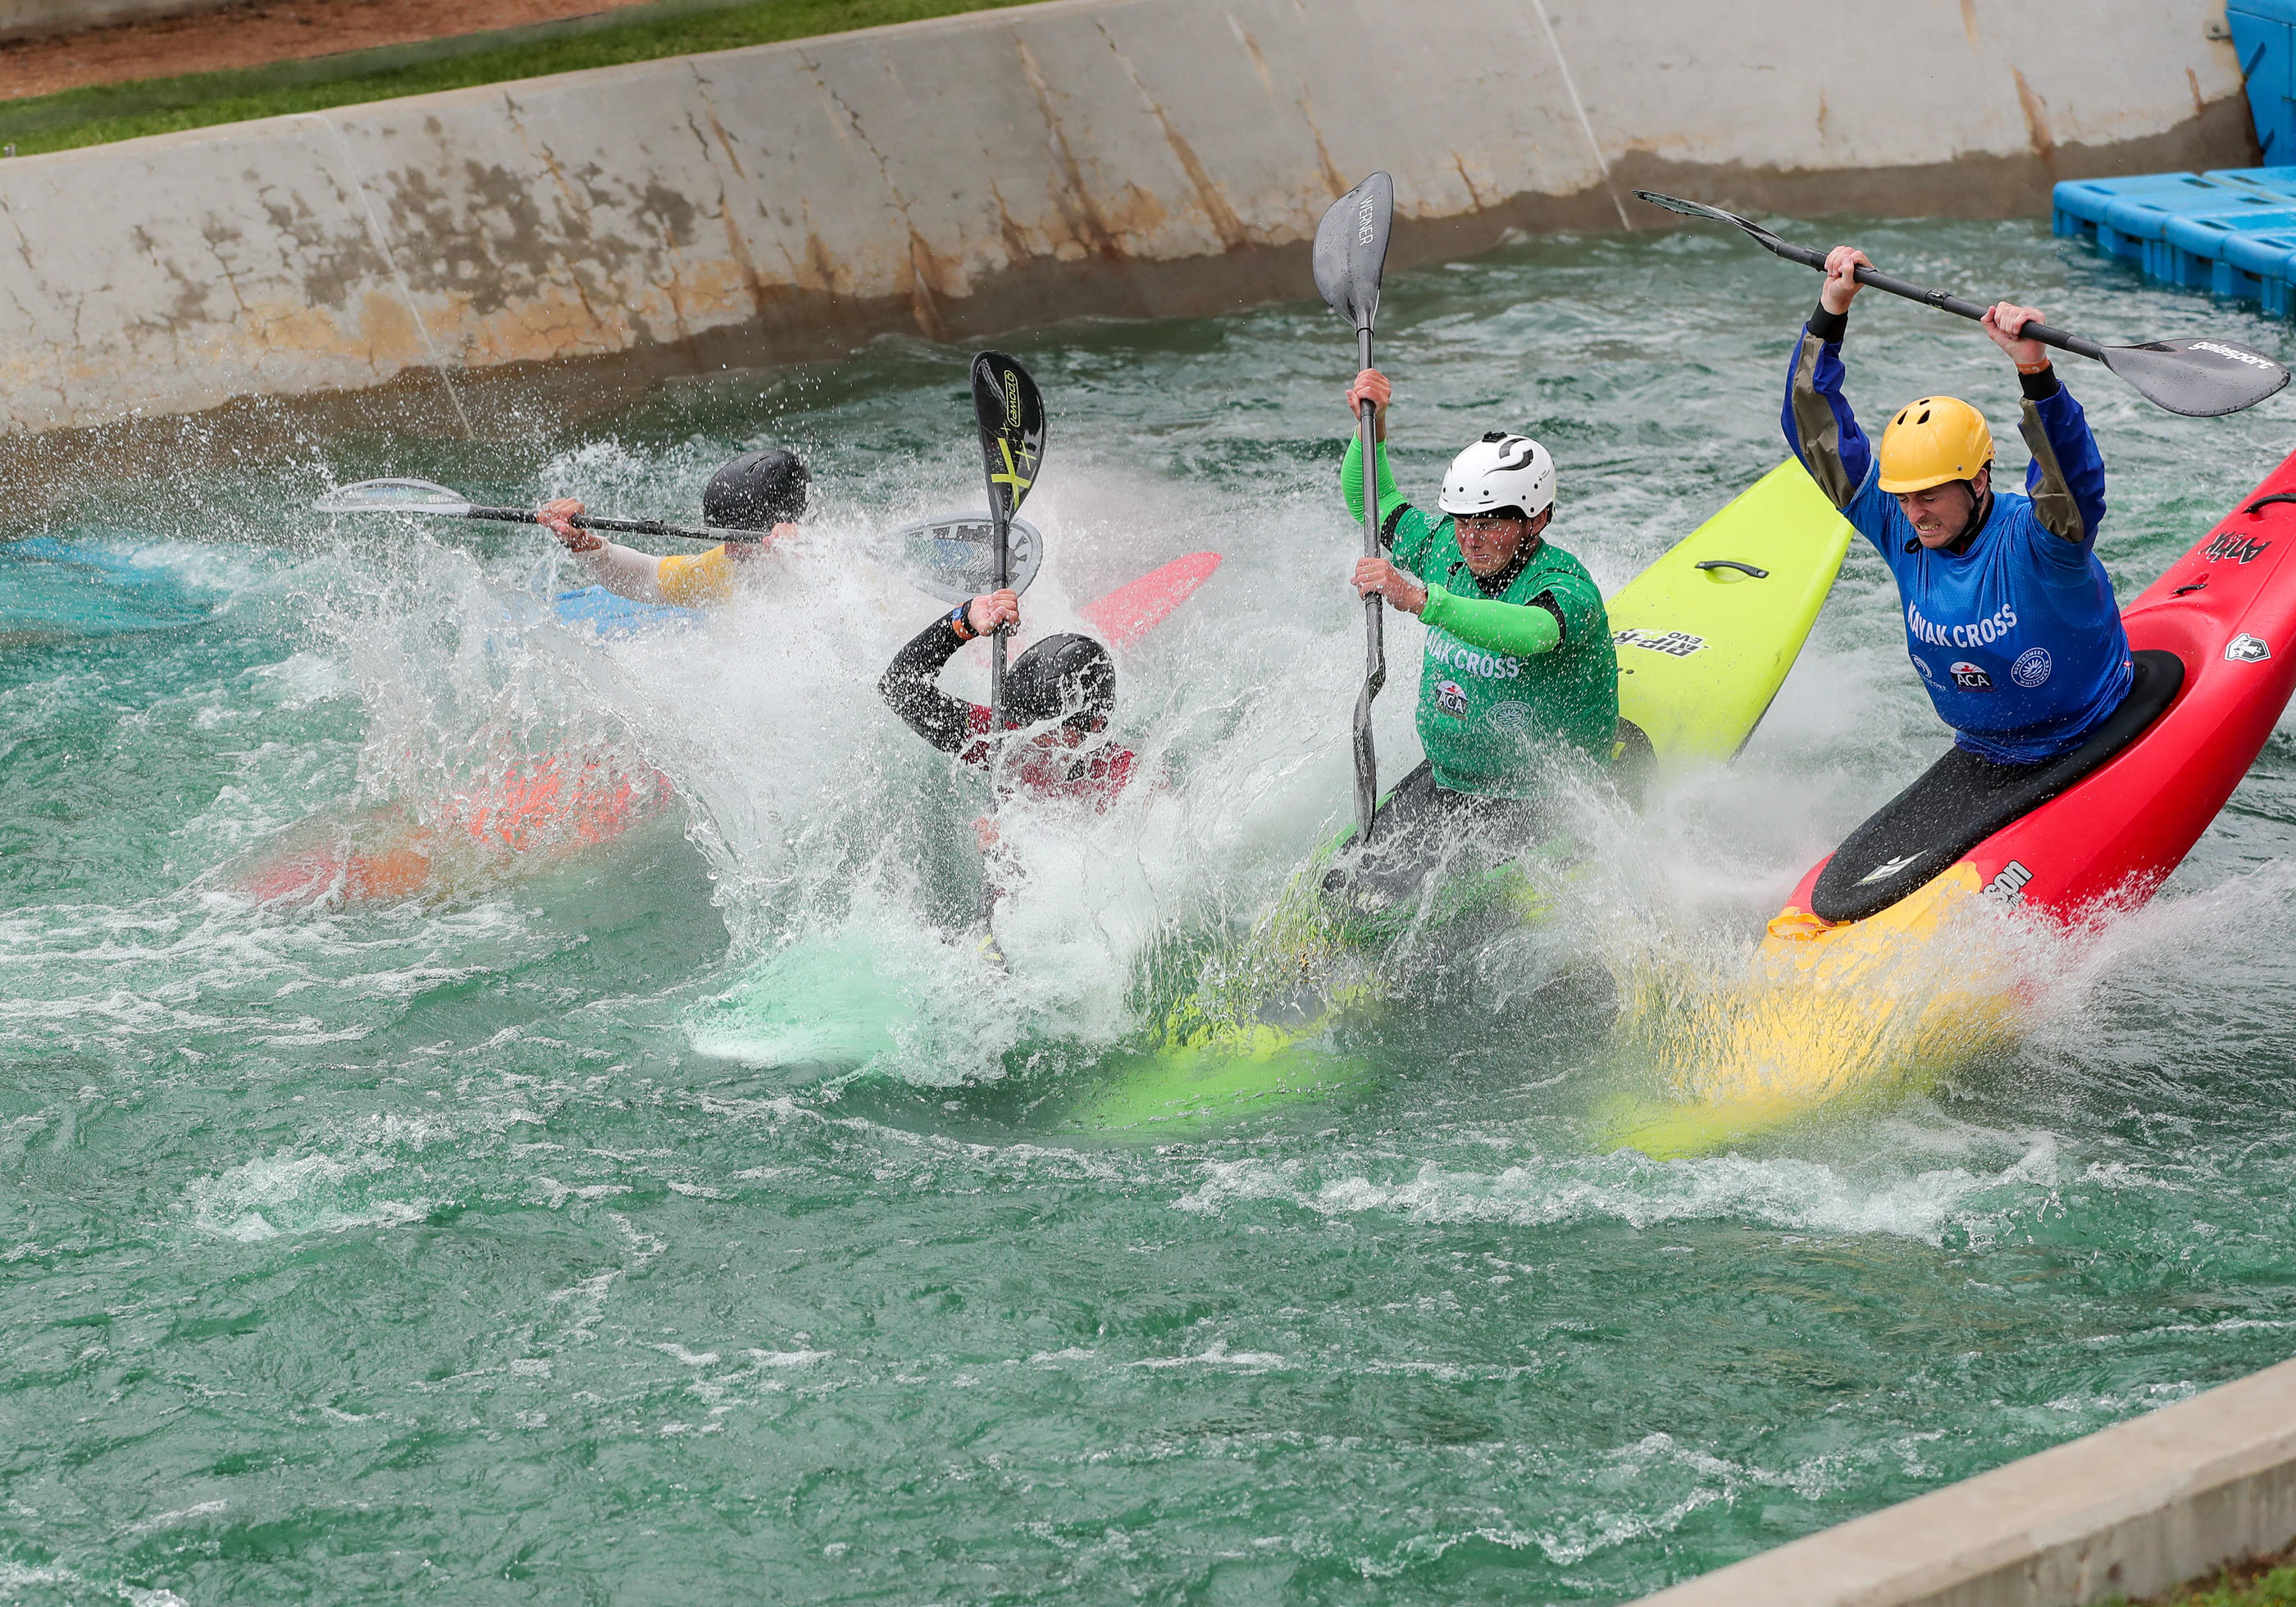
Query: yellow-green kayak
x: 1706, y: 634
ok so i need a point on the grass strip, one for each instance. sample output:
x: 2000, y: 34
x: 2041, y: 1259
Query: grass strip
x: 99, y: 114
x: 2237, y: 1588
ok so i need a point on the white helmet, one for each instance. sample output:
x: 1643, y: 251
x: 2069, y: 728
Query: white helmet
x: 1500, y: 470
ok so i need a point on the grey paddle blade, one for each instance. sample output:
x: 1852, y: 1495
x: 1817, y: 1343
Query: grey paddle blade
x: 1768, y: 240
x: 1688, y: 208
x: 1351, y: 249
x: 2200, y: 379
x: 953, y: 556
x: 1366, y: 761
x: 396, y: 497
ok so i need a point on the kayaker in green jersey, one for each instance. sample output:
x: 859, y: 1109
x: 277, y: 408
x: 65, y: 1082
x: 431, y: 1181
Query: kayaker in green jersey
x: 1518, y: 684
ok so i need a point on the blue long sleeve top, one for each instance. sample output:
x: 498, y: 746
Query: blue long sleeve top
x: 2017, y: 638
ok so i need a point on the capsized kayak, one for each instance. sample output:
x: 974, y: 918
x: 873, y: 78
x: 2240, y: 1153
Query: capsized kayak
x: 1846, y: 1001
x: 533, y: 816
x: 1705, y: 636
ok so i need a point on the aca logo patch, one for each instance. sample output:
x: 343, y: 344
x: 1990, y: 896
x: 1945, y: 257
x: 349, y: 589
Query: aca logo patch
x: 2032, y: 667
x: 1970, y: 677
x: 1451, y: 698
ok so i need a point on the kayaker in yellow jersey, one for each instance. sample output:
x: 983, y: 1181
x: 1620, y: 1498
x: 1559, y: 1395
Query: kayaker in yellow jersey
x: 763, y: 490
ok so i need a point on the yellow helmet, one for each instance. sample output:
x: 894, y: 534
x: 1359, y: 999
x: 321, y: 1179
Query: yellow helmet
x: 1934, y: 440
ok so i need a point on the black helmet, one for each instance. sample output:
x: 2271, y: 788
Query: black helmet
x: 757, y: 491
x: 1068, y: 678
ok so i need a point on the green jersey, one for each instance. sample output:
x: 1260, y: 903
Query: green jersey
x: 1510, y: 683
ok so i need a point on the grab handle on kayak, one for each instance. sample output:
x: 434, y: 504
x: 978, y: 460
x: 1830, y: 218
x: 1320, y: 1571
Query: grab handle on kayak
x: 1748, y: 569
x: 2276, y: 496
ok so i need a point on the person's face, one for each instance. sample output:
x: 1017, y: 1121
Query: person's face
x: 1940, y: 514
x: 1490, y: 545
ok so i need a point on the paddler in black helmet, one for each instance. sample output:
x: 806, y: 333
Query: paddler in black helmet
x: 1058, y: 698
x: 761, y: 490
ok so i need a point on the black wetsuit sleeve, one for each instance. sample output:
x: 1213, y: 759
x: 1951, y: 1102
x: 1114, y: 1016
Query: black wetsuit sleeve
x: 908, y: 689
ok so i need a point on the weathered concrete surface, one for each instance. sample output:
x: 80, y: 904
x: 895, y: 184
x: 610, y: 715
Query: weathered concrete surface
x: 2133, y: 1510
x: 972, y: 174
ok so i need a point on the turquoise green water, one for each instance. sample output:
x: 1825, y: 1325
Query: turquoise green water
x: 693, y: 1220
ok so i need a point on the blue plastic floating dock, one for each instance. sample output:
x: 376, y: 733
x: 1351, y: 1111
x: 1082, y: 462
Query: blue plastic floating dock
x: 2230, y: 230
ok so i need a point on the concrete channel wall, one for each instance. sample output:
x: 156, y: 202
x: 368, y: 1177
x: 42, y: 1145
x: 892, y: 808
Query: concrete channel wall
x: 2134, y: 1511
x: 975, y: 174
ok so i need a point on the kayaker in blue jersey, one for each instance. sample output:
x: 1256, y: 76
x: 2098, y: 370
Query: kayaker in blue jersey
x: 2009, y: 618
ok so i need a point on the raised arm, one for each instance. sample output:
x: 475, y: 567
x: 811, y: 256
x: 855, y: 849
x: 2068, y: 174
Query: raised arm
x: 949, y: 724
x: 2066, y: 478
x: 1819, y: 425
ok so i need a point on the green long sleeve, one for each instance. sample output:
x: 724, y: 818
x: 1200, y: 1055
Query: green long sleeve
x: 1524, y: 629
x: 1351, y: 481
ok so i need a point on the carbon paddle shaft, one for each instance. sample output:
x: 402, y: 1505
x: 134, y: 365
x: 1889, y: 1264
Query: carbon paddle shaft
x: 1374, y: 626
x: 2079, y: 345
x: 638, y: 526
x: 1001, y: 543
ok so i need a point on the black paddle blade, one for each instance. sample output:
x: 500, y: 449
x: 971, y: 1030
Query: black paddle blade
x: 1768, y: 240
x: 1690, y: 208
x: 1351, y: 249
x: 1011, y: 412
x: 2200, y: 379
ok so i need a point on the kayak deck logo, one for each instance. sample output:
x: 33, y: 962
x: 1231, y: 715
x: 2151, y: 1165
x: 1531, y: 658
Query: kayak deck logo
x: 2009, y: 886
x: 2236, y: 547
x: 2245, y: 649
x: 1674, y: 644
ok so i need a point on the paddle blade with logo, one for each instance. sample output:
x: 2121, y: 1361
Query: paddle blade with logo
x: 2200, y: 379
x: 1351, y: 249
x: 953, y: 556
x: 1012, y: 416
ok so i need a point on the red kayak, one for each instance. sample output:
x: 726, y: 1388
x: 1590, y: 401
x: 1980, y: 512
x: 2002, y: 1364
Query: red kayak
x: 1880, y: 974
x: 535, y: 815
x: 2214, y: 641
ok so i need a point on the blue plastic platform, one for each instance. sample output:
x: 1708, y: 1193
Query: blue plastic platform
x: 2263, y: 33
x: 2231, y: 231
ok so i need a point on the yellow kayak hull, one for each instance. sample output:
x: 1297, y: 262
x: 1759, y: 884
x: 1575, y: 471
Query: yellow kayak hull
x: 1828, y: 1017
x: 1706, y: 634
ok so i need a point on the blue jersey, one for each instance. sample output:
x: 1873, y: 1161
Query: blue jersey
x: 2017, y: 639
